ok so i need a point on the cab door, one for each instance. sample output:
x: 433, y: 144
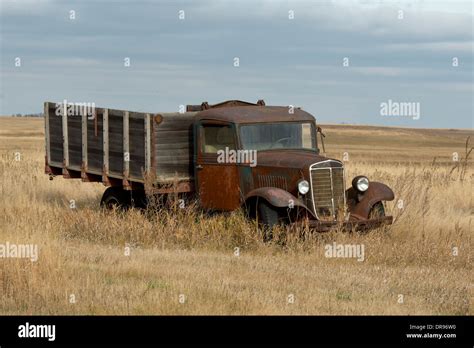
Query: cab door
x: 217, y: 178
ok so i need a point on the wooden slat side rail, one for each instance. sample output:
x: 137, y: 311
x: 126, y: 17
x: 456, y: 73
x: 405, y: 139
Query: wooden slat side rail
x: 105, y: 147
x: 65, y: 142
x: 147, y: 144
x: 46, y: 133
x: 126, y: 150
x: 84, y: 166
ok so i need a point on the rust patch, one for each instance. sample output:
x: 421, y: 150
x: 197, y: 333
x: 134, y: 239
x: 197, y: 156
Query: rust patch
x: 219, y: 186
x: 105, y: 177
x: 158, y: 118
x: 376, y: 192
x: 228, y: 103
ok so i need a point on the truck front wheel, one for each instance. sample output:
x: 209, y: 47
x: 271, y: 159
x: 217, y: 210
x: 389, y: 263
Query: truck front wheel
x: 268, y: 218
x: 115, y: 197
x: 377, y: 211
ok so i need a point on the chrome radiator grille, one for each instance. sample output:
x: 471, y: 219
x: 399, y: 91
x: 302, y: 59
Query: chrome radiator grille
x: 327, y: 188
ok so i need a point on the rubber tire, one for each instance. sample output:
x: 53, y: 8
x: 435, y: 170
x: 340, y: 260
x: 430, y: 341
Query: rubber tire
x: 377, y: 211
x: 139, y: 199
x: 268, y: 217
x: 115, y: 197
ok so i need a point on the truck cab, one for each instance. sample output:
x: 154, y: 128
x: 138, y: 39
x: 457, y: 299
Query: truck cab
x: 266, y: 159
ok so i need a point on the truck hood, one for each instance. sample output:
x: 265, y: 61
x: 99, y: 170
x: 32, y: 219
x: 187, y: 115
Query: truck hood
x: 297, y: 159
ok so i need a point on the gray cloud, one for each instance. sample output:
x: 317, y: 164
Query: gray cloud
x: 284, y: 61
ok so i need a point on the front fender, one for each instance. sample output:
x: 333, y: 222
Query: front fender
x: 276, y: 197
x: 375, y: 193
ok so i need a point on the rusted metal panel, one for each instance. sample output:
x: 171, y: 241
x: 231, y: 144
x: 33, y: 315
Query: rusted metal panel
x: 277, y: 197
x: 360, y: 209
x: 229, y: 103
x: 275, y: 176
x: 255, y: 114
x: 269, y: 180
x: 219, y: 186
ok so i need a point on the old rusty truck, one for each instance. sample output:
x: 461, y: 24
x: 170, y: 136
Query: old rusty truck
x: 228, y: 156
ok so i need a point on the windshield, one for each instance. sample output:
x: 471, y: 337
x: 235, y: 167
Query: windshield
x: 282, y: 135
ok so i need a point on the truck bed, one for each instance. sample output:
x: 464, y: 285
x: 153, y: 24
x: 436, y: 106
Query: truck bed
x: 95, y: 148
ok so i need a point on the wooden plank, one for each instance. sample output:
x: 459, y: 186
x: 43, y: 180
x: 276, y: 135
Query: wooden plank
x: 126, y: 148
x: 95, y: 155
x: 116, y: 147
x: 137, y: 143
x: 46, y: 133
x: 147, y: 144
x: 84, y: 146
x: 65, y: 140
x: 74, y: 131
x: 153, y: 157
x: 171, y: 179
x: 105, y: 146
x: 173, y: 158
x: 98, y: 173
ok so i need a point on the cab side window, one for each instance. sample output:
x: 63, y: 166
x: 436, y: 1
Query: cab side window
x: 217, y: 137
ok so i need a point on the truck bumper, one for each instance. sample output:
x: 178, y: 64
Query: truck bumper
x: 357, y: 225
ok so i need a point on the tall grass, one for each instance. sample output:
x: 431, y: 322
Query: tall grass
x: 220, y: 262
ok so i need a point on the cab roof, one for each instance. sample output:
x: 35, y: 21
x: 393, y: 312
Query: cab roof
x: 254, y: 114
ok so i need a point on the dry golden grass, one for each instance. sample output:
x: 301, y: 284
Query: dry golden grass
x: 82, y: 250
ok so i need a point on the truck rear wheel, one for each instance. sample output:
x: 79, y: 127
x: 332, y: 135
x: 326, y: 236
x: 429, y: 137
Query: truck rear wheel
x: 115, y: 197
x: 268, y: 218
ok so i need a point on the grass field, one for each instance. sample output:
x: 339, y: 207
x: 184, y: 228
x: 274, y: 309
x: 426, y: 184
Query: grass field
x: 186, y: 262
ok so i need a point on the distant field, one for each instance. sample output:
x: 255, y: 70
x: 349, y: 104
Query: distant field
x: 420, y: 265
x: 392, y: 145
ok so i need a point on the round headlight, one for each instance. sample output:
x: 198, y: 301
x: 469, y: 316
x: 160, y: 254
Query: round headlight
x: 360, y: 183
x: 303, y: 187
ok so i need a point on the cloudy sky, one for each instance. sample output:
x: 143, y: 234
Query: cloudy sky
x: 289, y: 52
